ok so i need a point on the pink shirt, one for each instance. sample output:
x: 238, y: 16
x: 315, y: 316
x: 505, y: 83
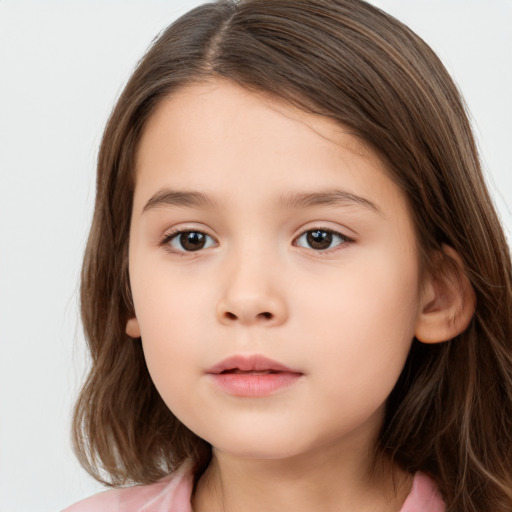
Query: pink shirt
x: 172, y: 494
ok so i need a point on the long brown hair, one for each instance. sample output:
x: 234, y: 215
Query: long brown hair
x: 450, y: 413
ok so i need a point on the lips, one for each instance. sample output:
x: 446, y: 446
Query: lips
x: 251, y: 363
x: 252, y: 376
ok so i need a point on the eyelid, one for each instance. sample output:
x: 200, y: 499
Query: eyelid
x: 173, y: 233
x: 339, y: 233
x: 184, y: 227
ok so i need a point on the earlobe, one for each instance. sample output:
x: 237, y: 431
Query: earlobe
x: 448, y: 301
x: 132, y: 328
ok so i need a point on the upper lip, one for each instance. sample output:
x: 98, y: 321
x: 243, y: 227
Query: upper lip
x: 249, y: 363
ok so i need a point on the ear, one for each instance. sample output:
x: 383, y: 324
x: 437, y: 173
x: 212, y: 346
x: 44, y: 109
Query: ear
x: 448, y: 300
x: 132, y: 328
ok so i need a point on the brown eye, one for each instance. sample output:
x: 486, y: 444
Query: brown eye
x: 320, y: 239
x: 189, y: 241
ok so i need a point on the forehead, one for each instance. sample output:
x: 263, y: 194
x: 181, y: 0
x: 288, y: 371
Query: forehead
x: 221, y: 137
x: 222, y: 102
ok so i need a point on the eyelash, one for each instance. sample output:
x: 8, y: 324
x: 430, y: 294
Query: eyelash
x: 330, y: 232
x: 173, y: 235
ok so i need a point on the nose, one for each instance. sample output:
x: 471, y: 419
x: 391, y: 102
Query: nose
x: 252, y: 295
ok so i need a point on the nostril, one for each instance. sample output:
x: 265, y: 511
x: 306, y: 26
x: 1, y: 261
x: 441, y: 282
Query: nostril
x: 265, y: 315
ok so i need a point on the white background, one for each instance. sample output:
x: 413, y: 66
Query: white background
x: 62, y: 65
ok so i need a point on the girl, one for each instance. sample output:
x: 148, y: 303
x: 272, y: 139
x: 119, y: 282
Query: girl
x: 296, y: 292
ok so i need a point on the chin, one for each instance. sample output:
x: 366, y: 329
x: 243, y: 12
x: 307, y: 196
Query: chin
x: 258, y: 447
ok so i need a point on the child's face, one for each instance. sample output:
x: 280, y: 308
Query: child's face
x: 299, y: 248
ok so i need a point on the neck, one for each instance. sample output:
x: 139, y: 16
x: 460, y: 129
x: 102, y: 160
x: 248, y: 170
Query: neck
x: 332, y: 479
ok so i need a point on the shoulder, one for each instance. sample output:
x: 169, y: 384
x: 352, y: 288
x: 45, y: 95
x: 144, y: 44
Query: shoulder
x: 424, y: 496
x: 170, y: 493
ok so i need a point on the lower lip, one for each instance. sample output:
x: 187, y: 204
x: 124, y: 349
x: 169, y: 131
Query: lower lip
x: 254, y: 385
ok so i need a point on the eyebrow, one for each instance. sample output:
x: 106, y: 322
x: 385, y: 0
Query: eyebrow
x: 327, y: 198
x: 168, y: 197
x: 193, y: 199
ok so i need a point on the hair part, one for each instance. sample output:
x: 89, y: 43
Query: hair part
x: 450, y: 413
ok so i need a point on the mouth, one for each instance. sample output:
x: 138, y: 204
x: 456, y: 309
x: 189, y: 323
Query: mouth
x: 237, y: 371
x: 249, y: 363
x: 252, y: 376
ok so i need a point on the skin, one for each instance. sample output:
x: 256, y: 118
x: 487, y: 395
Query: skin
x: 343, y: 317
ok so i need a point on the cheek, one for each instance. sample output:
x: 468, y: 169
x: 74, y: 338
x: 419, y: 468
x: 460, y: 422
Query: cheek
x: 172, y: 312
x: 167, y: 297
x: 366, y: 320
